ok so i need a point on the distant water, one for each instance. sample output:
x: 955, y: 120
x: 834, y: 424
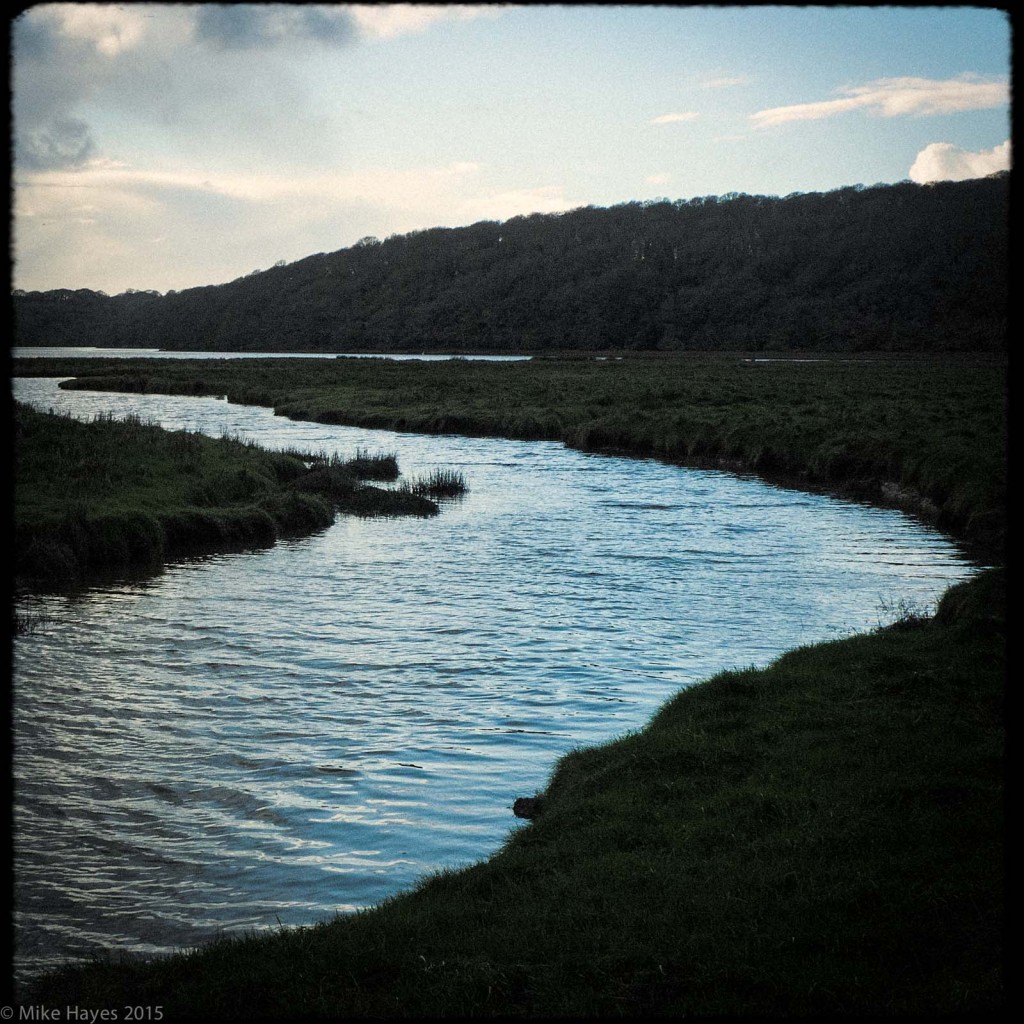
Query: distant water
x: 90, y: 352
x: 280, y: 735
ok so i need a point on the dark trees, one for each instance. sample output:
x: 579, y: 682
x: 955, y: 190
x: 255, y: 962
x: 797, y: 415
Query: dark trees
x: 901, y: 267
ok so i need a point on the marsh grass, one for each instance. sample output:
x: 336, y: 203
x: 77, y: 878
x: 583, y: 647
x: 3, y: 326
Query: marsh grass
x: 819, y: 838
x: 381, y: 466
x: 903, y: 613
x: 440, y: 483
x: 117, y: 494
x: 26, y: 622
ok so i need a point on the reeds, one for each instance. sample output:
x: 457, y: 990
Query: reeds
x: 27, y: 622
x: 381, y: 466
x: 441, y: 483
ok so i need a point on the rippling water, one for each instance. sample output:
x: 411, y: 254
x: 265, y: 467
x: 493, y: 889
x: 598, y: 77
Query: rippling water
x: 275, y: 736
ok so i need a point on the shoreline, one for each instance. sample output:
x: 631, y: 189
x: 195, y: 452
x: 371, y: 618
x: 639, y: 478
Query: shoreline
x: 110, y: 497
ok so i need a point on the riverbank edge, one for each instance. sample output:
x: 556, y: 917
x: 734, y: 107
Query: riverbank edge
x: 74, y: 543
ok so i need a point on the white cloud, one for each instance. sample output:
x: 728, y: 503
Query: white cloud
x: 726, y: 81
x: 385, y: 21
x: 398, y: 188
x: 114, y: 212
x: 658, y: 179
x: 942, y: 161
x: 896, y: 97
x: 688, y: 115
x: 110, y: 29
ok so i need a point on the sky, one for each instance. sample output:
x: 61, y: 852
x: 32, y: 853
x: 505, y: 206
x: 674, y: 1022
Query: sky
x: 163, y: 146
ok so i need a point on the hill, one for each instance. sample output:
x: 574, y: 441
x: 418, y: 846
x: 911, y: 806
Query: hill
x: 901, y: 267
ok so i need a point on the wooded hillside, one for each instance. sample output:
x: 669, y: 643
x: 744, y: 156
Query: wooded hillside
x: 891, y: 267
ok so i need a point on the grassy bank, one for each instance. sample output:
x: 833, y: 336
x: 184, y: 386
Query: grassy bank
x: 820, y: 837
x: 117, y: 495
x: 925, y: 434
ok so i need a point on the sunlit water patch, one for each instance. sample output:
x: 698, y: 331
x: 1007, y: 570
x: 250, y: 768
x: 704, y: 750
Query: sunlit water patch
x: 276, y: 736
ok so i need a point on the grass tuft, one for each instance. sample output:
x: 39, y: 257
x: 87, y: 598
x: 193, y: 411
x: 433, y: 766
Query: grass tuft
x: 441, y: 483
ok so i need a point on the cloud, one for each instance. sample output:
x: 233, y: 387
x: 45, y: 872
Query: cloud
x: 398, y: 188
x: 203, y: 78
x: 386, y: 21
x: 688, y: 115
x: 726, y: 81
x: 942, y: 161
x: 63, y: 56
x: 658, y: 179
x: 452, y: 188
x: 62, y: 144
x: 251, y: 26
x: 218, y: 98
x: 31, y: 37
x: 109, y: 29
x: 896, y: 97
x: 245, y: 220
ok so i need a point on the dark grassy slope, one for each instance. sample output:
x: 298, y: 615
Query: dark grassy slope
x: 118, y: 495
x: 892, y: 267
x: 926, y: 434
x: 821, y: 837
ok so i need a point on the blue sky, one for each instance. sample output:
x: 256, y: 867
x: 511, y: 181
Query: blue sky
x: 161, y: 146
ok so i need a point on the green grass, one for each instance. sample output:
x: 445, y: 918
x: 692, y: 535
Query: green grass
x: 113, y: 495
x: 441, y: 483
x: 927, y: 434
x: 368, y: 466
x: 820, y: 837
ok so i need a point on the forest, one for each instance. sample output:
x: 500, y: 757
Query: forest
x: 886, y: 268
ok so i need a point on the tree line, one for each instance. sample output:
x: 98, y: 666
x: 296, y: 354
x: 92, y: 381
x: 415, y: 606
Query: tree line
x: 902, y: 267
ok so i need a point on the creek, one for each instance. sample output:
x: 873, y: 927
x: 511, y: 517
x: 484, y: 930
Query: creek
x: 272, y: 737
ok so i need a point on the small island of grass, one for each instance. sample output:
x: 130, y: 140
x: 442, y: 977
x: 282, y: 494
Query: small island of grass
x: 119, y: 495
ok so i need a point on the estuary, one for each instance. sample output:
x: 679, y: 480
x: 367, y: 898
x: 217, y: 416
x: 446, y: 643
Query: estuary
x: 272, y: 737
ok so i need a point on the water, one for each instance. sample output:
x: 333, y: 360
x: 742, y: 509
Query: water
x: 92, y: 352
x: 277, y: 736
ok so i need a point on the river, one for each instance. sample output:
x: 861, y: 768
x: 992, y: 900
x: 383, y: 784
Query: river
x: 276, y: 736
